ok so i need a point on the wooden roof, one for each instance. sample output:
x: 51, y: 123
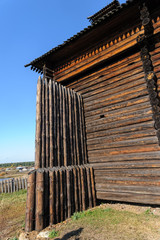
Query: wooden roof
x: 102, y: 26
x: 108, y: 9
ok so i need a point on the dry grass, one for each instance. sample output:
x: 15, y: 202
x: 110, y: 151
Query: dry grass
x: 13, y: 174
x: 12, y: 209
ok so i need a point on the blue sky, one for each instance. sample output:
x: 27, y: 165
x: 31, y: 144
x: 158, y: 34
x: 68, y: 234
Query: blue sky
x: 28, y: 29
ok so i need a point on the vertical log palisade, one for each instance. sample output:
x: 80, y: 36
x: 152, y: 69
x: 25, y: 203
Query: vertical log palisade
x: 98, y: 116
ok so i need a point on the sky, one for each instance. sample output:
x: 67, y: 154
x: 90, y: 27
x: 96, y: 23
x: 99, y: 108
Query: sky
x: 29, y: 29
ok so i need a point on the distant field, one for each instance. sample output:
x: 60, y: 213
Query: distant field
x: 26, y: 164
x: 106, y: 222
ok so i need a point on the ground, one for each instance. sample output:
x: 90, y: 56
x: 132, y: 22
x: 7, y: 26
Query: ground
x: 105, y: 222
x: 13, y: 174
x: 12, y: 213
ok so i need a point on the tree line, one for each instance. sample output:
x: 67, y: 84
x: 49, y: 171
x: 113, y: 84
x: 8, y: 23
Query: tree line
x: 26, y: 164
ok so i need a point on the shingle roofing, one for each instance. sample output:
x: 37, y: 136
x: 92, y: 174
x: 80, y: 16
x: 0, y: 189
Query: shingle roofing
x: 106, y: 15
x: 110, y: 7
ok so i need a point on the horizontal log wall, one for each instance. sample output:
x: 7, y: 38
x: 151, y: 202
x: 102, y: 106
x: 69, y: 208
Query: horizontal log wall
x: 54, y: 194
x: 122, y: 142
x: 13, y: 185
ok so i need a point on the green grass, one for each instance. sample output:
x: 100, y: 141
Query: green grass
x: 53, y: 234
x: 13, y: 197
x: 148, y: 212
x: 109, y: 223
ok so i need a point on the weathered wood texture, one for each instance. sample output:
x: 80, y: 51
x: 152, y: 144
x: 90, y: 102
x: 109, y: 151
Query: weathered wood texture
x: 122, y: 142
x: 115, y: 128
x: 60, y: 127
x: 70, y: 189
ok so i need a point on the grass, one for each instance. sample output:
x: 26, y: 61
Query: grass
x: 12, y: 208
x: 103, y: 223
x: 53, y: 234
x: 110, y: 224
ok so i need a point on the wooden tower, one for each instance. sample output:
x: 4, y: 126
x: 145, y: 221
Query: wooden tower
x: 98, y: 116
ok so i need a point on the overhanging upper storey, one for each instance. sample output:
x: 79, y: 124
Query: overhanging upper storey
x: 111, y: 24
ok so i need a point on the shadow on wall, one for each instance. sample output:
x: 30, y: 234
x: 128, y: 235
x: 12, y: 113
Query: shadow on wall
x: 75, y: 233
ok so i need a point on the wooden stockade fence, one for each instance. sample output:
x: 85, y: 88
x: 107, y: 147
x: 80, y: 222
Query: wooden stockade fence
x: 60, y: 128
x: 54, y: 194
x: 13, y: 185
x: 62, y: 182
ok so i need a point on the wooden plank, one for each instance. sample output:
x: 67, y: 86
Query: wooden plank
x: 55, y: 123
x: 76, y: 127
x: 30, y: 202
x: 61, y: 155
x: 116, y: 114
x: 39, y: 222
x: 109, y: 89
x: 68, y: 192
x: 102, y: 182
x: 61, y: 178
x: 38, y: 140
x: 79, y: 187
x: 140, y: 118
x: 127, y: 164
x: 43, y: 156
x: 68, y: 140
x: 128, y: 96
x: 147, y: 126
x: 89, y: 186
x: 132, y: 105
x: 65, y: 129
x: 70, y: 117
x: 118, y: 188
x: 76, y: 200
x: 93, y: 187
x: 105, y: 75
x: 121, y: 94
x: 51, y: 120
x: 57, y: 186
x: 129, y: 197
x: 58, y: 126
x: 83, y: 188
x: 47, y: 123
x: 124, y: 157
x: 52, y: 200
x: 126, y: 143
x: 46, y: 197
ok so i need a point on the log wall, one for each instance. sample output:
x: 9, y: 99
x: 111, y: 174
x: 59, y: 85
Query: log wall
x: 121, y: 122
x: 55, y: 194
x: 122, y: 143
x: 60, y: 128
x: 62, y: 182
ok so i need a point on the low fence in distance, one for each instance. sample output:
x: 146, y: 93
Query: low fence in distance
x: 13, y: 185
